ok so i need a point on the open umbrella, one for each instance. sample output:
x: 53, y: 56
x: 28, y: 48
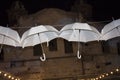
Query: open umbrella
x: 79, y: 32
x: 38, y: 35
x: 111, y: 30
x: 9, y: 37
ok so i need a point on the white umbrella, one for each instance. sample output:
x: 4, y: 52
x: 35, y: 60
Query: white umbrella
x: 79, y: 32
x: 111, y: 30
x: 38, y: 35
x: 9, y: 37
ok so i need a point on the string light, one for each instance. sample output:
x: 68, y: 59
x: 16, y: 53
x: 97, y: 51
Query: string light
x: 97, y: 78
x: 105, y: 75
x: 7, y: 75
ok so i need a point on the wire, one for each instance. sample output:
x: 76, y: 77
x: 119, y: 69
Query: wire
x: 106, y: 21
x: 100, y: 21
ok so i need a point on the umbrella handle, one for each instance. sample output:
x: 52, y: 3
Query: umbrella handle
x: 43, y: 58
x: 78, y: 55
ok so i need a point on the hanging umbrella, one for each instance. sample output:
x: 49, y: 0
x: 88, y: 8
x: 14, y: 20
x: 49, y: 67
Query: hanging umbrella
x: 79, y: 32
x: 111, y: 30
x: 38, y: 35
x: 9, y: 37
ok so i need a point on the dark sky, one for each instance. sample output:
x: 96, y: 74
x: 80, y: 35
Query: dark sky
x: 102, y: 9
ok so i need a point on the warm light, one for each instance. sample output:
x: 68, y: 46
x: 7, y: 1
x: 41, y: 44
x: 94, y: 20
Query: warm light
x: 5, y: 74
x: 100, y: 77
x: 103, y: 75
x: 9, y: 76
x: 107, y: 74
x: 111, y: 72
x: 117, y: 70
x: 12, y: 77
x: 96, y: 78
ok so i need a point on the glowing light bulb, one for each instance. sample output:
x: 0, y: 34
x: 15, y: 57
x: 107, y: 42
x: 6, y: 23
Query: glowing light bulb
x: 111, y: 72
x: 96, y: 78
x: 107, y: 74
x: 117, y: 70
x: 5, y: 74
x: 103, y: 75
x: 0, y: 72
x: 9, y: 76
x: 12, y: 77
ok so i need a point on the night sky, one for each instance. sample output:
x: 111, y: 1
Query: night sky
x: 102, y: 9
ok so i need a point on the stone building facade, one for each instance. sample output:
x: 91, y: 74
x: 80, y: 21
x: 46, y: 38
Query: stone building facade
x: 62, y: 63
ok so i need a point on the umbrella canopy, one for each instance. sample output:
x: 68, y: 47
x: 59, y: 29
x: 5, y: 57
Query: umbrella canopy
x: 111, y: 30
x: 9, y: 37
x: 38, y: 35
x: 79, y: 32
